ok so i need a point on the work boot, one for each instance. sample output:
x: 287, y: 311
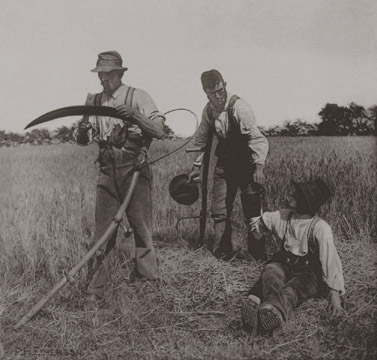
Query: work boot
x: 222, y: 246
x: 249, y: 314
x: 270, y: 317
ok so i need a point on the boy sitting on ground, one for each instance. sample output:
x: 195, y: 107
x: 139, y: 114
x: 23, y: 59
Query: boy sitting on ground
x: 307, y: 264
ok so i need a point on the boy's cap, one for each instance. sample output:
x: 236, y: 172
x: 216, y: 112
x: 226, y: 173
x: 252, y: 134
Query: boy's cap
x: 182, y: 191
x: 313, y: 193
x: 211, y: 78
x: 109, y: 61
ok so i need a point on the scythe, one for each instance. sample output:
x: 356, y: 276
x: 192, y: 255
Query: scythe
x: 203, y: 211
x: 85, y: 110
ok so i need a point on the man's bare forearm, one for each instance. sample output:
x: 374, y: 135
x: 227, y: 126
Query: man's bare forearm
x: 153, y: 128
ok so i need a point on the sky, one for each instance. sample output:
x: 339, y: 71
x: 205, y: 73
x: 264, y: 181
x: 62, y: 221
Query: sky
x: 286, y: 58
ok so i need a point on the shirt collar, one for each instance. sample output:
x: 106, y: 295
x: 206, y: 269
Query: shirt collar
x: 116, y: 93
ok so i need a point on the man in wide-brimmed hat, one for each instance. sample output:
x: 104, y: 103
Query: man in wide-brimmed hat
x: 307, y: 264
x: 122, y: 146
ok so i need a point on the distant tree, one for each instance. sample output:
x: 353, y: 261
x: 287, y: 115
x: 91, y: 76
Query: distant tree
x: 373, y: 118
x: 332, y: 117
x: 298, y: 128
x: 64, y: 134
x: 361, y: 124
x: 291, y: 128
x: 341, y: 120
x: 40, y: 136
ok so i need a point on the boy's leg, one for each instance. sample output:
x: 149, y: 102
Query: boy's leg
x: 302, y: 285
x: 272, y: 310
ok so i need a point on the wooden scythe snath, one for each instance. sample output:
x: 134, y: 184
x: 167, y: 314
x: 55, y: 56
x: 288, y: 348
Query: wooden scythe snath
x: 203, y: 210
x: 69, y: 277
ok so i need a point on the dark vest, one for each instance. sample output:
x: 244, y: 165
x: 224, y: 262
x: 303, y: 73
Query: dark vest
x: 232, y: 150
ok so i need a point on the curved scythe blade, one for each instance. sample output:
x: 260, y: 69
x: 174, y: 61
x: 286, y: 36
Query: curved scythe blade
x: 83, y: 110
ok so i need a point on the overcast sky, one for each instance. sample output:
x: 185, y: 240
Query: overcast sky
x: 287, y: 58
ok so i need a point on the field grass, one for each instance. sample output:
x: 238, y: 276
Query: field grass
x: 47, y: 218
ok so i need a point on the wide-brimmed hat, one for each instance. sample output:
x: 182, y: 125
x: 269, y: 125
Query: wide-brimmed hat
x: 182, y: 191
x: 109, y: 61
x: 312, y: 194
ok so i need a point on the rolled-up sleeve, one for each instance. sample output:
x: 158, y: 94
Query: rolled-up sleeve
x: 146, y: 105
x: 331, y: 265
x: 257, y: 142
x: 200, y: 137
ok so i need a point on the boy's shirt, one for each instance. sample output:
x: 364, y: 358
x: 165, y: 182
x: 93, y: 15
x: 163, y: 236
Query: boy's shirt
x: 296, y: 232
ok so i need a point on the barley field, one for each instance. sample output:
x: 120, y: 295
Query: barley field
x: 47, y: 201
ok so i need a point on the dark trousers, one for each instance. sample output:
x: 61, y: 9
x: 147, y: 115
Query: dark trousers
x: 285, y: 286
x: 227, y: 180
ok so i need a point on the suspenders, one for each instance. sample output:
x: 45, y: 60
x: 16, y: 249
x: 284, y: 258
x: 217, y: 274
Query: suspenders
x: 128, y: 100
x: 129, y: 96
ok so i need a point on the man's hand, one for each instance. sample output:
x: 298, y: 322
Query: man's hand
x: 126, y: 112
x: 194, y: 176
x: 83, y: 127
x: 334, y: 307
x: 258, y: 176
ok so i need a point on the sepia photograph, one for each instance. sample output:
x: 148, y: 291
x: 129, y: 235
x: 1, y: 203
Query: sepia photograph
x: 188, y: 179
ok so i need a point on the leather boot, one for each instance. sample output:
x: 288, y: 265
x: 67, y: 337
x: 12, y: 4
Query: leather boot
x: 222, y: 247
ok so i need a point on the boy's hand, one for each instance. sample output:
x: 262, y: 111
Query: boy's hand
x: 334, y: 306
x: 258, y: 176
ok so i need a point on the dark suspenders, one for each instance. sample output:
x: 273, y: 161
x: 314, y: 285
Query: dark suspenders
x: 128, y: 100
x: 287, y: 257
x: 129, y: 96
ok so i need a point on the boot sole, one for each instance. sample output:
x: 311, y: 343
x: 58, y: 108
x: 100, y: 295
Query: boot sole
x: 270, y: 318
x: 249, y: 312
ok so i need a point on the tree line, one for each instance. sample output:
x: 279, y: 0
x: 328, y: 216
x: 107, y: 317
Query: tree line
x: 335, y: 121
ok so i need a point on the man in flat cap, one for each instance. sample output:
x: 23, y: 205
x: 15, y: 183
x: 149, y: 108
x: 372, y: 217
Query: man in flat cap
x: 241, y: 153
x: 122, y: 146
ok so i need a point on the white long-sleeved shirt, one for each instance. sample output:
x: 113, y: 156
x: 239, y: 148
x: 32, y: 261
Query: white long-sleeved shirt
x: 244, y: 117
x: 102, y: 126
x: 295, y: 232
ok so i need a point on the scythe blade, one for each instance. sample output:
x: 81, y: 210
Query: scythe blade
x: 78, y: 110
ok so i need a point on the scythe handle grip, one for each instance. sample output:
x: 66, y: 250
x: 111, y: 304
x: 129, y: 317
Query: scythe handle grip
x: 196, y: 149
